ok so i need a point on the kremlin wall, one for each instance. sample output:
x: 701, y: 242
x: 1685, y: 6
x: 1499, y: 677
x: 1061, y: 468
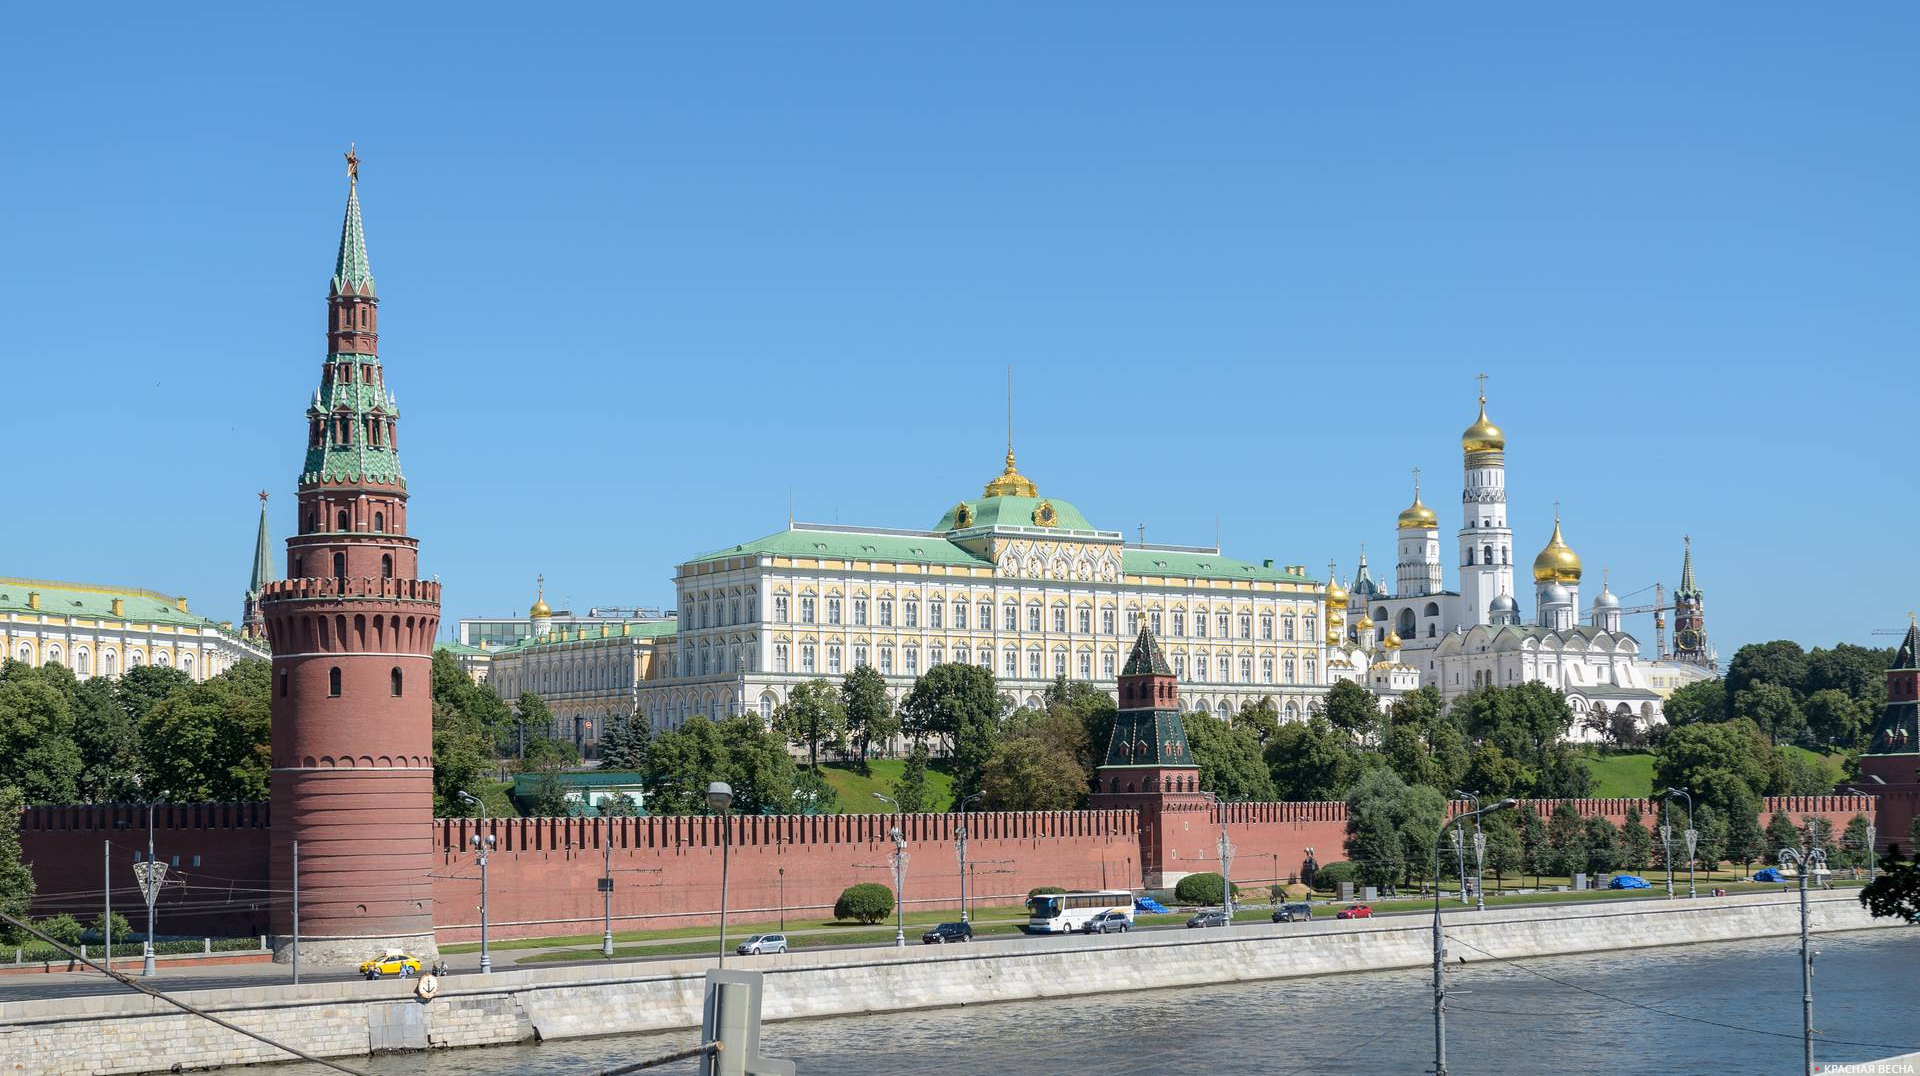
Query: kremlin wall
x: 543, y: 875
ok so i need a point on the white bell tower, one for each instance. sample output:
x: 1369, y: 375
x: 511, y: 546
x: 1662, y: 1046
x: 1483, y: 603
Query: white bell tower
x: 1486, y: 543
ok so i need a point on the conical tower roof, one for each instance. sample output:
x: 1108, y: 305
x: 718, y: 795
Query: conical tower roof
x: 1688, y: 588
x: 1147, y: 658
x: 262, y: 554
x: 1909, y: 655
x: 351, y: 271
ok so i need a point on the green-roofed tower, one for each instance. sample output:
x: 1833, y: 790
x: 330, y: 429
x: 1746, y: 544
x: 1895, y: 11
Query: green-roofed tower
x: 254, y: 623
x: 352, y: 420
x: 1690, y: 617
x: 1148, y: 766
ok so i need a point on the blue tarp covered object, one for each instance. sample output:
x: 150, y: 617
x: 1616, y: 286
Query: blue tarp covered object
x: 1628, y: 881
x: 1148, y: 904
x: 1768, y: 874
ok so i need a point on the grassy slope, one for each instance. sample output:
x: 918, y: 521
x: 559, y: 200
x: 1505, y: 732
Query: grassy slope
x: 1621, y: 776
x: 855, y: 790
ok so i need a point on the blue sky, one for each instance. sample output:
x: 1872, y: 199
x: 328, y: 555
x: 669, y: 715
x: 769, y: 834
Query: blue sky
x: 649, y: 273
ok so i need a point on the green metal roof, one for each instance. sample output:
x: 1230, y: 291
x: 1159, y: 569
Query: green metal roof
x: 350, y: 266
x: 1202, y: 566
x: 559, y: 636
x: 1012, y: 512
x: 853, y: 545
x: 262, y: 555
x: 92, y: 602
x: 455, y: 646
x: 1147, y: 659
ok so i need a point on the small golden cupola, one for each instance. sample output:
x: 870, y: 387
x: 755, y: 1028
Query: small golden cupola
x: 1417, y: 515
x: 1336, y: 594
x: 1011, y: 482
x: 540, y: 606
x: 1557, y: 563
x: 1483, y: 436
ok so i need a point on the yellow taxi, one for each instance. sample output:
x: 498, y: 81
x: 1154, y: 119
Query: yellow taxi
x: 391, y: 962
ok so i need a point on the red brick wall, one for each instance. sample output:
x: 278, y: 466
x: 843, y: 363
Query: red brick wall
x: 225, y: 895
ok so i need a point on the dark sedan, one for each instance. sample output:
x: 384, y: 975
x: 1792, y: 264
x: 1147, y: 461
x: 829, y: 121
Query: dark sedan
x: 1209, y: 919
x: 948, y: 932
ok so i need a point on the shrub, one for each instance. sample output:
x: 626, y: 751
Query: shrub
x: 867, y: 902
x: 1328, y: 878
x: 121, y: 928
x: 62, y: 928
x: 1043, y: 890
x: 1200, y: 889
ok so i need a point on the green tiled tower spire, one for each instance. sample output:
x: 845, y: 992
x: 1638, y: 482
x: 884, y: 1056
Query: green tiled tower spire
x: 352, y: 420
x: 1147, y: 731
x: 252, y: 623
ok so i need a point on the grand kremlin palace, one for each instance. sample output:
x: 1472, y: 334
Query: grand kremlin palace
x: 1013, y: 581
x: 106, y: 630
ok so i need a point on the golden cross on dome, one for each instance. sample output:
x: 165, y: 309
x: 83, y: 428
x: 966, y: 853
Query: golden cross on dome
x: 353, y: 164
x: 1482, y: 378
x: 1416, y: 483
x: 1556, y: 511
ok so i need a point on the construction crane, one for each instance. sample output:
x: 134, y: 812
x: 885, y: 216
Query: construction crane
x: 1659, y: 609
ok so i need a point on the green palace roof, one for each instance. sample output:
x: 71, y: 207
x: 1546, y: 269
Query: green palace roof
x: 853, y: 545
x: 588, y: 633
x: 91, y: 602
x: 1202, y: 565
x: 1010, y: 511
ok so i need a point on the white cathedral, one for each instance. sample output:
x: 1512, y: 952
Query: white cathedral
x: 1422, y: 633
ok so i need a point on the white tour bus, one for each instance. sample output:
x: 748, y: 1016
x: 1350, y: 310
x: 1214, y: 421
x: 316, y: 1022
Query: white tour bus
x: 1067, y: 913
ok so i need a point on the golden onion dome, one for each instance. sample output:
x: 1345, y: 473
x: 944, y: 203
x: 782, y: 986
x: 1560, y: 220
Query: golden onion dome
x: 1557, y: 563
x: 1336, y: 595
x: 1418, y: 516
x: 1392, y: 641
x: 1364, y: 625
x: 540, y: 606
x: 1483, y: 436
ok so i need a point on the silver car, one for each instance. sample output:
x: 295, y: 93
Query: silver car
x: 762, y: 944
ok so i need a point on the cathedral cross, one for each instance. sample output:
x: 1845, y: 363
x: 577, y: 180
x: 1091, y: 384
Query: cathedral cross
x: 1482, y: 379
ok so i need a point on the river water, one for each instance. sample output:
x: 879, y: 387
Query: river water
x: 1737, y: 1009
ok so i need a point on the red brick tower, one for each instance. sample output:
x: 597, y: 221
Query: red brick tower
x: 1149, y: 769
x: 352, y: 629
x: 1891, y: 765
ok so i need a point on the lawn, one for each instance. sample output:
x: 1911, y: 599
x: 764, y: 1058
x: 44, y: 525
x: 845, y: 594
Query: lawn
x: 1626, y: 775
x: 854, y: 790
x: 1831, y: 763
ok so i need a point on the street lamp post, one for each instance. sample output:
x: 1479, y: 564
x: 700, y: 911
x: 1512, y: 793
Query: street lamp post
x: 960, y: 844
x: 720, y: 798
x: 1666, y: 842
x: 1870, y: 836
x: 899, y: 887
x: 606, y: 895
x: 296, y: 910
x: 782, y: 871
x: 1479, y: 855
x: 481, y: 845
x: 1226, y: 858
x: 1440, y: 945
x: 1805, y: 863
x: 151, y: 884
x: 1692, y: 835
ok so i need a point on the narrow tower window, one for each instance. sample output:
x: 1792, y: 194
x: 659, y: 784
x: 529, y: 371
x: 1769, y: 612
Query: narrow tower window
x: 380, y: 522
x: 283, y: 683
x: 342, y: 517
x: 386, y: 565
x: 396, y: 681
x: 333, y: 682
x: 339, y: 565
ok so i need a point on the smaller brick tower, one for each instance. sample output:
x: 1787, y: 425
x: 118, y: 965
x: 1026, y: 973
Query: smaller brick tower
x: 1150, y: 770
x: 1690, y: 617
x: 1891, y: 764
x: 352, y: 628
x: 253, y: 622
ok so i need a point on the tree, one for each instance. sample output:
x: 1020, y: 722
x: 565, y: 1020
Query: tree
x: 549, y: 796
x: 212, y: 741
x: 1351, y: 708
x: 1636, y: 843
x: 1505, y: 852
x: 16, y: 877
x: 812, y: 794
x: 910, y: 791
x: 1259, y: 719
x: 1896, y: 893
x: 1535, y: 855
x: 1528, y: 723
x: 1093, y: 708
x: 1422, y: 743
x: 1425, y: 813
x: 1026, y: 773
x: 533, y: 721
x: 619, y: 805
x: 1858, y: 672
x: 142, y: 687
x: 37, y: 752
x: 1205, y: 888
x: 626, y: 743
x: 1230, y: 761
x: 1311, y: 760
x: 1602, y: 846
x: 1375, y: 806
x: 958, y: 703
x: 1724, y: 763
x: 1566, y: 841
x: 1816, y: 831
x: 864, y: 902
x: 1771, y: 707
x: 1495, y: 775
x: 739, y: 751
x: 1781, y: 833
x: 868, y: 713
x: 1716, y: 835
x: 1805, y: 776
x: 1745, y: 841
x: 1698, y: 702
x: 1853, y: 843
x: 546, y: 754
x: 1781, y: 663
x: 812, y: 715
x: 108, y: 739
x: 467, y: 719
x: 1835, y: 720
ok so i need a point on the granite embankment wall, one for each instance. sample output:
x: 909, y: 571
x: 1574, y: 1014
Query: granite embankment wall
x: 544, y: 871
x: 131, y: 1034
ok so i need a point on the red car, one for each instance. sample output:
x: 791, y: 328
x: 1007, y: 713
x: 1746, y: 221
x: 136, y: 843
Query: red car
x: 1355, y: 911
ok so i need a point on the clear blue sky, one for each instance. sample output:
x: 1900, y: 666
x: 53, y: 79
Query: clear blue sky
x: 647, y: 273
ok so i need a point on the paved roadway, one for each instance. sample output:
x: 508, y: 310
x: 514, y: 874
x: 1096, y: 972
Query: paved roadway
x: 81, y: 984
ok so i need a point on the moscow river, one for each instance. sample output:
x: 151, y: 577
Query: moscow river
x: 1735, y: 1008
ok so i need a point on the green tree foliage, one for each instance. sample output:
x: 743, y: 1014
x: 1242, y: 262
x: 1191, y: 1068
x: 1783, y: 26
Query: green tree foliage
x: 1311, y: 760
x: 1816, y: 831
x: 619, y: 805
x: 37, y: 751
x: 1745, y: 842
x: 1536, y: 856
x: 812, y: 715
x: 1716, y: 836
x: 1505, y: 853
x: 1566, y: 850
x: 1352, y: 709
x: 1697, y: 703
x: 1423, y: 742
x: 1781, y: 833
x: 1804, y: 776
x: 1202, y: 889
x: 739, y: 751
x: 1230, y: 761
x: 63, y: 928
x: 1836, y: 721
x: 1038, y: 762
x: 545, y: 754
x: 867, y: 711
x: 1425, y: 812
x: 1259, y: 719
x: 108, y: 739
x: 1528, y: 723
x: 467, y: 717
x: 16, y: 877
x: 142, y: 688
x: 211, y: 741
x: 1391, y: 828
x: 1781, y: 663
x: 1602, y: 846
x: 533, y: 722
x: 910, y: 791
x: 1853, y: 844
x: 625, y: 745
x: 1636, y: 842
x: 813, y: 795
x: 549, y: 794
x: 1858, y: 672
x: 1771, y: 708
x: 1329, y: 878
x: 121, y: 928
x: 1496, y: 775
x: 1895, y: 894
x: 1725, y: 764
x: 1093, y: 708
x: 959, y: 704
x: 864, y: 902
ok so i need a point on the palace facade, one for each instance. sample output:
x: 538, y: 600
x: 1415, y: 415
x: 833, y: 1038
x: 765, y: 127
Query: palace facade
x: 98, y: 630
